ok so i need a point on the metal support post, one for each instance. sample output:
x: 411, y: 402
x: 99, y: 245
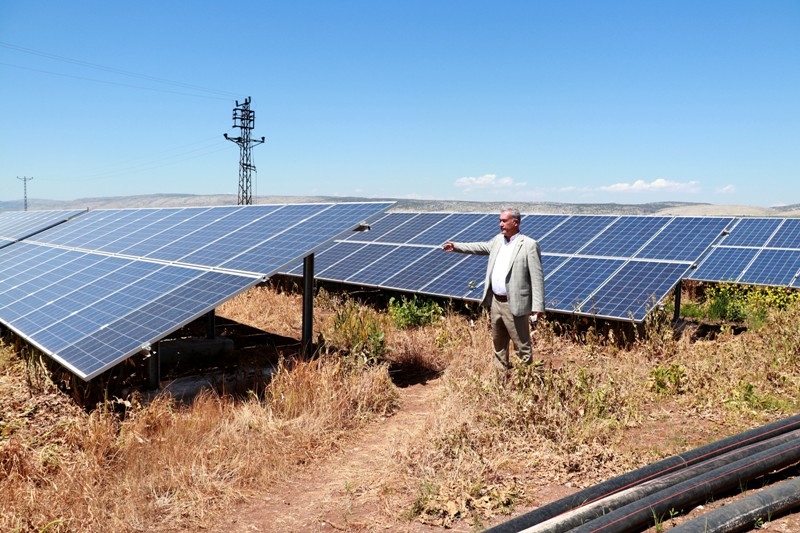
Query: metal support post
x: 154, y: 368
x: 677, y: 314
x: 211, y: 324
x: 307, y: 341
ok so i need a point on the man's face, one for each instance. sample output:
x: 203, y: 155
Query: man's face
x: 509, y: 226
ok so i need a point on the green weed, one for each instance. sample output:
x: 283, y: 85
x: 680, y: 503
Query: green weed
x: 358, y: 330
x: 414, y: 312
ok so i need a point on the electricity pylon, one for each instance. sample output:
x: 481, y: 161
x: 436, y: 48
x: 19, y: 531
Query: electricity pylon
x: 244, y: 118
x: 25, y: 180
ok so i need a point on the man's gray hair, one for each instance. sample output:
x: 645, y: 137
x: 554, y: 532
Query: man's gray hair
x: 513, y: 211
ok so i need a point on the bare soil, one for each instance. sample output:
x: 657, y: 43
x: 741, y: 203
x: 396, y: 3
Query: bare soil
x: 342, y: 492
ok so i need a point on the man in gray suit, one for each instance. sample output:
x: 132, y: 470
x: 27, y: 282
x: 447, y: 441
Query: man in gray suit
x: 514, y: 286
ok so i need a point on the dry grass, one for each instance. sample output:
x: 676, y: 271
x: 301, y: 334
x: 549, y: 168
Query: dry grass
x: 164, y: 466
x: 589, y: 410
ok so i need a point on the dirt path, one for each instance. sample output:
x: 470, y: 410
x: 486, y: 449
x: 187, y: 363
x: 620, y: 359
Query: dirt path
x: 340, y: 493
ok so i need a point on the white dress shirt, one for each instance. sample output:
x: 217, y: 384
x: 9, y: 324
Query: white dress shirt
x: 501, y: 265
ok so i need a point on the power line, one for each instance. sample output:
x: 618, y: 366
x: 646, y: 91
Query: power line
x: 107, y: 82
x: 219, y: 93
x: 106, y: 172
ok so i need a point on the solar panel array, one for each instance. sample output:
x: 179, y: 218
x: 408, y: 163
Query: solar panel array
x: 758, y: 251
x: 92, y: 288
x: 17, y: 225
x: 601, y: 265
x: 105, y: 285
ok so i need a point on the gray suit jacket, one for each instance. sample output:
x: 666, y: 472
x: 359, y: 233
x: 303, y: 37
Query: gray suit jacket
x: 524, y: 279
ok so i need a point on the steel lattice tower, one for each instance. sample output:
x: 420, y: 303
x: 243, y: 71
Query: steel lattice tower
x: 244, y: 118
x: 25, y: 180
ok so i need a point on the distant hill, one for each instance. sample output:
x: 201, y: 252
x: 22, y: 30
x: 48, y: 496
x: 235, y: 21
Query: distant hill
x: 184, y: 200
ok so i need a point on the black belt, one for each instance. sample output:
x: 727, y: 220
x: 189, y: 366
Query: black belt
x: 500, y: 298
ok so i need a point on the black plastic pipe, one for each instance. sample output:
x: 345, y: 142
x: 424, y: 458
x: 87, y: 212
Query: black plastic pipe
x: 586, y: 513
x: 747, y: 513
x: 638, y: 515
x: 652, y: 471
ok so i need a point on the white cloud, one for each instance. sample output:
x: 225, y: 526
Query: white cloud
x: 657, y: 185
x: 728, y: 189
x: 487, y: 181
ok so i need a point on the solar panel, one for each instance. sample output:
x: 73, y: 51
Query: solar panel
x: 537, y: 226
x: 75, y: 298
x: 273, y: 252
x: 352, y: 263
x: 724, y: 264
x: 787, y: 235
x: 575, y: 281
x: 423, y: 271
x: 634, y: 289
x: 574, y: 233
x: 773, y: 267
x: 484, y: 228
x: 115, y: 341
x: 254, y: 239
x: 383, y: 226
x: 758, y: 251
x: 752, y: 232
x: 552, y: 262
x: 90, y: 309
x: 90, y: 226
x: 581, y: 254
x: 379, y: 271
x: 412, y: 228
x: 685, y: 238
x: 18, y: 225
x: 329, y: 256
x: 464, y: 280
x: 625, y: 236
x: 211, y: 234
x: 451, y: 225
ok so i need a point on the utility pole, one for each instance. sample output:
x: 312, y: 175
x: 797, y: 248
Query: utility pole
x: 244, y: 118
x: 25, y: 180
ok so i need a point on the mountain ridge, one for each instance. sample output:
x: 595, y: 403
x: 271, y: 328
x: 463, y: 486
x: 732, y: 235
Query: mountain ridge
x: 417, y: 205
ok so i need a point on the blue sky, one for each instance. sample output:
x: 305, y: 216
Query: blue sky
x: 558, y: 101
